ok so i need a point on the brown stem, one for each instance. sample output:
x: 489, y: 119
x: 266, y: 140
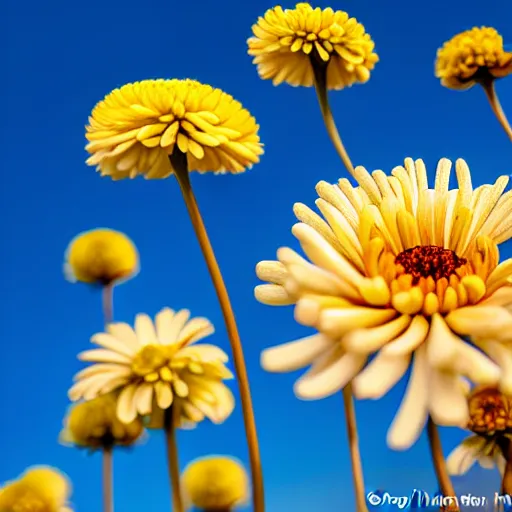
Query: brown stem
x: 436, y: 450
x: 108, y: 488
x: 506, y: 449
x: 179, y: 163
x: 107, y: 299
x: 320, y: 75
x: 490, y: 92
x: 172, y: 460
x: 353, y: 443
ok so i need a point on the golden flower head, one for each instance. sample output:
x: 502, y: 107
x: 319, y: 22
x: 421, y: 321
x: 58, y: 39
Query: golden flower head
x: 95, y: 425
x: 158, y: 365
x: 101, y: 256
x: 472, y: 56
x: 137, y: 128
x: 288, y: 42
x: 399, y: 269
x: 39, y: 489
x: 216, y: 484
x: 490, y: 411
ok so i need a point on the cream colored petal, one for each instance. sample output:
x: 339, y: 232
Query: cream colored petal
x: 502, y: 355
x: 481, y: 321
x: 326, y: 377
x: 112, y: 343
x: 367, y: 341
x: 96, y: 384
x: 461, y: 459
x: 145, y: 330
x: 447, y: 402
x: 123, y: 332
x: 413, y: 412
x: 126, y: 406
x: 100, y: 355
x: 115, y: 370
x: 178, y: 323
x: 296, y: 354
x: 143, y: 398
x: 272, y: 272
x: 486, y: 462
x: 113, y: 384
x: 272, y: 295
x: 501, y: 463
x: 411, y: 339
x: 337, y: 321
x: 163, y: 325
x: 380, y: 375
x: 81, y: 388
x: 204, y: 352
x: 197, y: 329
x: 321, y: 253
x: 164, y: 394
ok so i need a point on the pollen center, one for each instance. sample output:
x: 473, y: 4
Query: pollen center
x: 429, y: 261
x: 150, y: 359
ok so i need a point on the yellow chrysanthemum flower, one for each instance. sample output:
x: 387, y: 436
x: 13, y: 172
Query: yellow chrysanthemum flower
x: 40, y: 489
x: 490, y: 419
x: 404, y: 271
x: 287, y: 42
x: 95, y: 425
x: 472, y: 56
x: 215, y: 484
x: 136, y: 128
x: 101, y: 256
x: 156, y: 366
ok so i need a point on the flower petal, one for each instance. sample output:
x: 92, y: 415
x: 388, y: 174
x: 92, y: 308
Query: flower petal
x: 145, y: 330
x: 126, y: 406
x: 100, y: 355
x: 112, y: 343
x: 447, y: 401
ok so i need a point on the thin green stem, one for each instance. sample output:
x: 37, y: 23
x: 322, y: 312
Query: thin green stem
x: 173, y: 460
x: 320, y: 75
x: 492, y: 96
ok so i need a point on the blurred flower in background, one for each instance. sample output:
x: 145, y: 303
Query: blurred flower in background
x: 94, y: 425
x: 288, y: 43
x: 215, y: 484
x: 136, y: 128
x: 472, y: 56
x: 154, y: 366
x: 399, y: 269
x: 39, y: 489
x: 101, y: 257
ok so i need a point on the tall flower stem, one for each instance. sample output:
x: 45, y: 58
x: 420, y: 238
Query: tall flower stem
x: 353, y: 442
x: 172, y: 460
x: 436, y: 450
x: 506, y: 481
x: 490, y: 92
x: 107, y: 299
x: 179, y: 163
x: 320, y: 75
x: 108, y: 487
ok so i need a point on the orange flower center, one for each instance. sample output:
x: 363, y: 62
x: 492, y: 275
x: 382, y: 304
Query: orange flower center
x: 490, y: 412
x: 429, y: 261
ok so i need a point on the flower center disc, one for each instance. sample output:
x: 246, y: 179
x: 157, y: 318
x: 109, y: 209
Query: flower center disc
x: 151, y: 358
x: 429, y: 261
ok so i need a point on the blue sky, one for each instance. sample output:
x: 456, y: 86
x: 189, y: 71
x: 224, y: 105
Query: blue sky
x: 61, y: 58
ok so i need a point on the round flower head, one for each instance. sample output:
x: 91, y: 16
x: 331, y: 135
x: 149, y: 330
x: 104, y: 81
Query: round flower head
x: 136, y: 128
x: 38, y: 490
x: 95, y: 425
x: 472, y: 56
x: 156, y: 366
x: 407, y: 272
x: 101, y: 256
x: 491, y: 420
x: 286, y: 42
x: 215, y: 484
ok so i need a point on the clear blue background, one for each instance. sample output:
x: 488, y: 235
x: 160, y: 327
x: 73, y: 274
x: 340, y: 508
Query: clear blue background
x: 62, y: 57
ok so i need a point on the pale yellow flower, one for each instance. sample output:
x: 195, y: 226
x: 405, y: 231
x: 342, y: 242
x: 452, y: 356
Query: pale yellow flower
x: 95, y: 425
x: 472, y: 56
x: 101, y: 256
x: 136, y: 128
x: 286, y: 42
x: 39, y: 489
x: 156, y: 366
x: 215, y: 483
x: 404, y: 271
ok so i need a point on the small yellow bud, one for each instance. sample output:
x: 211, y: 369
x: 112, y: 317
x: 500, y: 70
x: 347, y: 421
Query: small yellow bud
x: 215, y: 484
x: 101, y: 256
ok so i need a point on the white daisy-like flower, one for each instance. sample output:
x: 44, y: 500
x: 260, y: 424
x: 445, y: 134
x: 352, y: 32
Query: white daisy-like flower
x: 406, y: 272
x: 475, y: 449
x: 154, y: 366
